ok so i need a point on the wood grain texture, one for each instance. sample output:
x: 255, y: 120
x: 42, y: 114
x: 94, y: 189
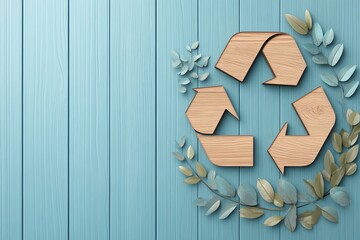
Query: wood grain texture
x: 132, y: 120
x: 45, y: 119
x: 89, y: 120
x: 279, y: 49
x: 10, y: 119
x: 318, y: 117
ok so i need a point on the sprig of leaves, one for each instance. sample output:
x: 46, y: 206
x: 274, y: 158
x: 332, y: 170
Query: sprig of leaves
x: 188, y: 67
x: 320, y: 41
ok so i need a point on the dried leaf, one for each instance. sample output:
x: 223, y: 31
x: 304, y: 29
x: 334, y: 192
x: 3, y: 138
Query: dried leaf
x: 345, y: 138
x: 195, y: 45
x: 287, y: 191
x: 308, y: 19
x: 273, y: 221
x: 340, y: 196
x: 328, y: 159
x: 350, y: 88
x: 336, y: 141
x: 352, y: 154
x: 266, y: 190
x: 328, y: 37
x: 335, y: 54
x: 353, y: 118
x: 319, y: 59
x: 346, y: 72
x: 350, y: 169
x: 192, y: 180
x: 278, y: 201
x: 298, y: 25
x: 211, y: 180
x: 186, y: 171
x: 203, y: 76
x: 251, y: 212
x: 317, y: 34
x: 337, y: 176
x: 326, y: 175
x: 224, y: 187
x: 290, y: 219
x: 212, y: 205
x: 181, y: 142
x: 330, y: 79
x: 356, y: 130
x: 178, y: 156
x: 228, y: 209
x: 247, y: 194
x: 201, y: 171
x: 190, y: 152
x: 311, y: 48
x: 319, y: 185
x: 200, y: 202
x: 310, y: 188
x: 330, y: 214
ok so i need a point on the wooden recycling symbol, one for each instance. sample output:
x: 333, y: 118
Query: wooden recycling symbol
x: 285, y: 60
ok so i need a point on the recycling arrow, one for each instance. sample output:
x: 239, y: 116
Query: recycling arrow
x: 280, y: 50
x: 204, y: 113
x: 318, y: 117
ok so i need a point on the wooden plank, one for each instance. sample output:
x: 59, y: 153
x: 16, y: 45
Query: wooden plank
x: 89, y: 120
x: 11, y: 119
x: 45, y: 119
x: 218, y: 21
x: 176, y: 215
x: 259, y: 111
x: 132, y: 119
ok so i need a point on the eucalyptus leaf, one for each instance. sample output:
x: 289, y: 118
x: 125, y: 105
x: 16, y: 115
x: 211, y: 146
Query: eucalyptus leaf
x: 336, y: 141
x: 200, y: 202
x: 302, y: 198
x: 317, y: 34
x: 251, y: 212
x: 311, y: 48
x: 352, y: 154
x: 227, y: 210
x: 247, y: 194
x: 345, y: 138
x: 201, y: 171
x: 335, y: 54
x: 328, y: 159
x: 340, y: 196
x: 266, y: 190
x: 174, y: 55
x: 337, y: 176
x: 328, y: 37
x: 203, y: 76
x: 206, y: 60
x: 186, y: 171
x: 319, y: 59
x: 181, y: 142
x: 184, y: 81
x: 192, y: 180
x: 196, y: 57
x: 346, y: 72
x: 350, y: 88
x: 178, y: 156
x: 184, y: 70
x: 308, y: 19
x: 273, y: 221
x: 190, y: 152
x: 176, y: 63
x: 278, y: 200
x: 211, y: 180
x: 310, y: 189
x: 353, y: 118
x: 330, y: 79
x: 224, y: 187
x: 298, y: 25
x: 287, y: 191
x: 194, y: 75
x: 191, y: 65
x: 326, y: 175
x: 350, y: 169
x: 356, y: 130
x: 290, y: 219
x: 319, y: 185
x: 188, y: 48
x: 330, y: 214
x: 212, y: 205
x: 195, y: 45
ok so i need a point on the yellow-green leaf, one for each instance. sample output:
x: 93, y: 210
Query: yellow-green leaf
x: 298, y: 25
x: 345, y: 138
x: 186, y: 171
x: 326, y: 175
x: 190, y: 152
x: 308, y: 19
x: 336, y: 142
x: 265, y: 189
x: 251, y: 212
x: 178, y: 156
x: 328, y: 159
x: 273, y: 220
x: 353, y: 118
x: 337, y: 176
x: 278, y: 200
x: 352, y: 153
x: 192, y: 180
x: 351, y: 169
x: 201, y: 171
x: 319, y: 185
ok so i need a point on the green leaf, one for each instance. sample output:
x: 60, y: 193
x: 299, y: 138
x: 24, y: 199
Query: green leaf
x: 200, y: 202
x: 178, y: 156
x: 319, y: 185
x: 353, y: 118
x: 317, y: 34
x: 201, y: 171
x: 203, y: 76
x: 337, y: 176
x: 319, y: 59
x: 192, y: 180
x: 330, y: 214
x: 182, y: 89
x: 266, y: 190
x: 350, y: 169
x: 310, y: 189
x: 247, y: 194
x: 287, y: 191
x: 251, y: 212
x: 328, y: 37
x: 298, y: 25
x: 211, y: 180
x: 190, y: 152
x: 330, y: 79
x: 196, y: 57
x: 311, y: 48
x: 278, y: 200
x: 346, y: 72
x: 308, y: 19
x: 212, y: 205
x: 290, y: 219
x: 350, y: 88
x: 224, y: 187
x: 273, y: 221
x: 186, y: 171
x: 336, y: 141
x: 340, y: 196
x: 335, y: 54
x: 228, y: 209
x: 195, y: 45
x: 181, y: 142
x: 352, y: 153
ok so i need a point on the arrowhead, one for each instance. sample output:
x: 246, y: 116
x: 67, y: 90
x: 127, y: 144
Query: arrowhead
x: 276, y: 155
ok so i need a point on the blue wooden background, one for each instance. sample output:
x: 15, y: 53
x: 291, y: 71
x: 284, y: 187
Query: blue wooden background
x: 89, y: 112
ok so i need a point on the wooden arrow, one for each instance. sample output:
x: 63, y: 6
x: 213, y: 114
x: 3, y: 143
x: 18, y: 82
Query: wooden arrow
x: 318, y: 117
x: 205, y: 113
x: 280, y: 50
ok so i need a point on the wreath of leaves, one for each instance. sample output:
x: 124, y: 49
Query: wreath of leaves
x: 287, y: 202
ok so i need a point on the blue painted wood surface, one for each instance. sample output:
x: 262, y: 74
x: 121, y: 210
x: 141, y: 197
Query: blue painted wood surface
x: 90, y: 113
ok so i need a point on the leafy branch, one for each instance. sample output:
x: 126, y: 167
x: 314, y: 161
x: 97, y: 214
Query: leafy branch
x: 320, y: 42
